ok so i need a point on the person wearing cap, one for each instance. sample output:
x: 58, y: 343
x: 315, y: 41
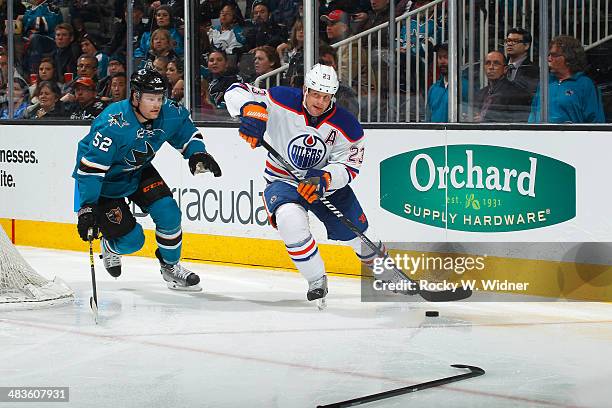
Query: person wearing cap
x: 261, y: 30
x: 90, y: 47
x: 116, y: 64
x: 87, y: 105
x: 349, y: 57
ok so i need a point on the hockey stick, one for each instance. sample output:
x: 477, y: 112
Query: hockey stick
x: 474, y: 372
x: 93, y: 300
x: 441, y: 296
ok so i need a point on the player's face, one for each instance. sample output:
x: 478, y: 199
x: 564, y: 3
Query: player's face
x: 150, y: 105
x: 45, y: 71
x: 317, y: 102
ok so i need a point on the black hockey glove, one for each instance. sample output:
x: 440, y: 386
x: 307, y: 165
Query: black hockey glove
x: 87, y: 221
x: 203, y: 162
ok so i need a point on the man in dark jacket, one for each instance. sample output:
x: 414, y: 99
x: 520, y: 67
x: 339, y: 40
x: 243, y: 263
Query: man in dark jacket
x: 501, y: 100
x: 87, y: 105
x: 66, y: 52
x: 521, y: 70
x: 261, y: 30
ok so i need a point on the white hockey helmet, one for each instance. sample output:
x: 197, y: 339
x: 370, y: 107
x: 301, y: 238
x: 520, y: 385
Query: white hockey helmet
x: 322, y: 78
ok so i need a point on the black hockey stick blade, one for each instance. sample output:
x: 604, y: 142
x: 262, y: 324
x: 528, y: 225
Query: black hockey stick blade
x: 94, y: 308
x: 446, y: 295
x: 474, y: 372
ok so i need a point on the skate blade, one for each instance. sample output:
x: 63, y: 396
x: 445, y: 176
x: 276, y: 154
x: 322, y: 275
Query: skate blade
x: 321, y: 303
x: 193, y: 288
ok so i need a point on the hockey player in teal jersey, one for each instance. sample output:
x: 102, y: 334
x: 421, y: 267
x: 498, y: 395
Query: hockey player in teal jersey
x: 114, y: 163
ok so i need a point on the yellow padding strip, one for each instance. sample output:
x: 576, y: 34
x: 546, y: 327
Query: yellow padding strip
x: 196, y: 247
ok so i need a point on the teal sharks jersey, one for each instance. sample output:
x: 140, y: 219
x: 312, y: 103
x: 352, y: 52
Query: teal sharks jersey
x: 110, y: 159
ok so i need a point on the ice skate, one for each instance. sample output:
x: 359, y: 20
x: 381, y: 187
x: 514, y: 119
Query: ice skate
x: 111, y: 260
x: 178, y: 277
x: 317, y: 290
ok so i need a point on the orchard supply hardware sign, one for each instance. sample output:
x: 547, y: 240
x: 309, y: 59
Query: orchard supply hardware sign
x: 478, y: 188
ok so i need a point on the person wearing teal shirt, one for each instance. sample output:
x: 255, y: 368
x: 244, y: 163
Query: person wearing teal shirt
x: 572, y: 95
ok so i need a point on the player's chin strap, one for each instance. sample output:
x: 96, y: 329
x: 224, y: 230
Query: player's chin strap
x: 330, y: 107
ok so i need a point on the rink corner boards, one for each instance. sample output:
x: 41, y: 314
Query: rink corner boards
x: 551, y: 279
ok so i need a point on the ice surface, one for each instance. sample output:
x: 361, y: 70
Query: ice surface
x: 251, y: 339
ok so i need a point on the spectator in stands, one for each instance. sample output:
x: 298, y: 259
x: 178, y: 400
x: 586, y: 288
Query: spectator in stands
x: 46, y: 72
x: 350, y: 57
x: 66, y: 52
x: 98, y: 11
x: 261, y: 30
x: 87, y: 105
x: 572, y: 95
x: 228, y: 35
x: 118, y: 43
x: 48, y: 105
x: 292, y: 52
x: 20, y: 100
x: 345, y: 97
x: 116, y: 64
x: 521, y: 70
x: 437, y: 96
x: 161, y: 64
x: 174, y: 73
x: 87, y: 66
x: 118, y: 86
x: 220, y: 78
x: 162, y: 45
x: 90, y: 47
x: 266, y: 60
x: 501, y: 100
x: 39, y: 23
x: 78, y: 25
x: 286, y: 12
x: 163, y: 19
x: 379, y: 14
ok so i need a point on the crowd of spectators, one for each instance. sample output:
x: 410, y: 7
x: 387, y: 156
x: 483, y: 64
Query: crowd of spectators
x: 71, y: 58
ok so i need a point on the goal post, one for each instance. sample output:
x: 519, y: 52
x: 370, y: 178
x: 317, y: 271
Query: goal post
x: 21, y: 287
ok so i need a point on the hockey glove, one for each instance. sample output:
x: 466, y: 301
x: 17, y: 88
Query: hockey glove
x: 314, y: 185
x: 203, y: 162
x: 87, y: 221
x: 253, y: 118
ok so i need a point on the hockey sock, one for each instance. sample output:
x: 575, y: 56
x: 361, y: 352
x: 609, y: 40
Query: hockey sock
x: 169, y: 244
x: 365, y: 254
x: 292, y: 223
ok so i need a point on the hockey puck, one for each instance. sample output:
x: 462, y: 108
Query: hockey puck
x: 432, y: 313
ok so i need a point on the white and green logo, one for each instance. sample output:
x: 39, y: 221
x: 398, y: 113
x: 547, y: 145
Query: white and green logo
x: 478, y: 188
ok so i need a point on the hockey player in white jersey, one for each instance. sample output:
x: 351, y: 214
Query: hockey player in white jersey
x: 325, y: 143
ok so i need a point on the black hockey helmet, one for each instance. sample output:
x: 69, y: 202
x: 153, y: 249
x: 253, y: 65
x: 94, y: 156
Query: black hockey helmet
x: 148, y: 81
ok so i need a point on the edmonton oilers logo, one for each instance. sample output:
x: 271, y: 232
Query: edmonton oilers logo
x: 306, y: 151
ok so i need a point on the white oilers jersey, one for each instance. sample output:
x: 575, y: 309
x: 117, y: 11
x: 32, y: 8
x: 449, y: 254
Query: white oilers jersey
x: 335, y: 145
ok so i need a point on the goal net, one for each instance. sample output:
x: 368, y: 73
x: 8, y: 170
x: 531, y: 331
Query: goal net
x: 21, y: 287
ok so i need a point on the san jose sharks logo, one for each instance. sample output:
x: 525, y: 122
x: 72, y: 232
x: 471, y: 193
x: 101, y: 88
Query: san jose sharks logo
x: 117, y: 120
x: 174, y: 104
x: 306, y: 151
x: 140, y: 158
